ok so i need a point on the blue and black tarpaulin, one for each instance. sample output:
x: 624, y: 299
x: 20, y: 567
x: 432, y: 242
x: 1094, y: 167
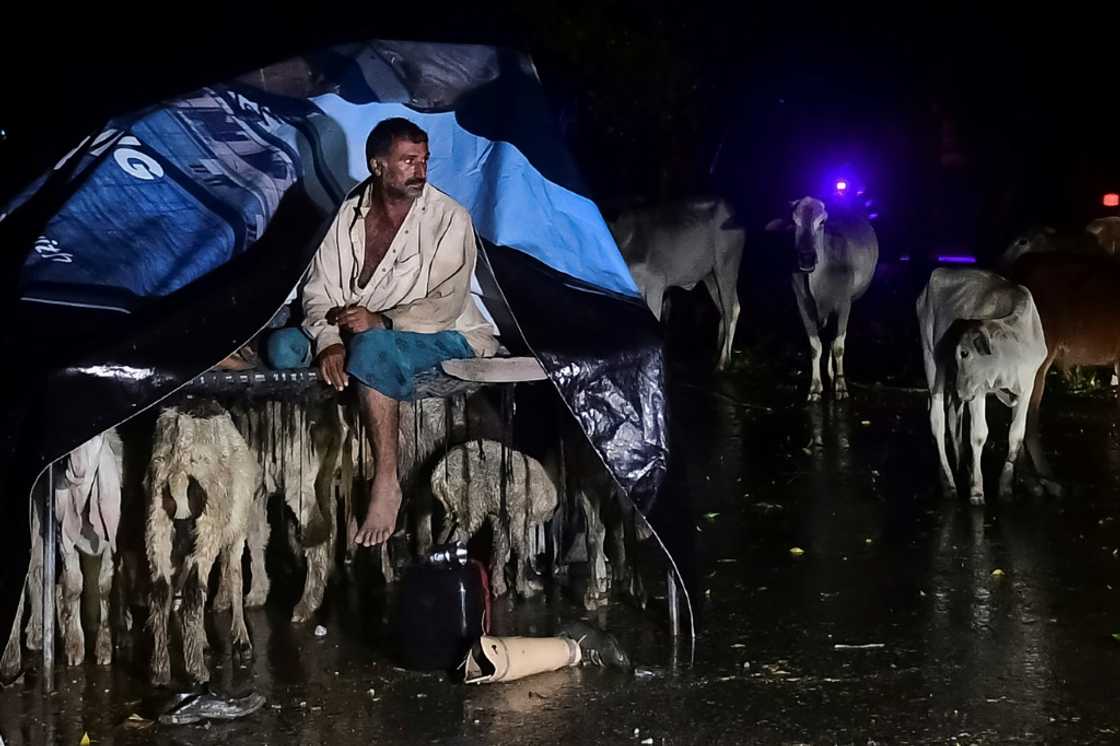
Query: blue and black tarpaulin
x: 168, y: 238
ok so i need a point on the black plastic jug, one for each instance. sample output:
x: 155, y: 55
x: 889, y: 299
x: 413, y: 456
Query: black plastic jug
x: 442, y: 610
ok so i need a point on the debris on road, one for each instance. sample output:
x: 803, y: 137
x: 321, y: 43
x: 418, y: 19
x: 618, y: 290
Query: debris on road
x: 866, y: 646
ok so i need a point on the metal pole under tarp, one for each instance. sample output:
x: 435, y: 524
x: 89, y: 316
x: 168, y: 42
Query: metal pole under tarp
x: 49, y: 554
x: 674, y: 604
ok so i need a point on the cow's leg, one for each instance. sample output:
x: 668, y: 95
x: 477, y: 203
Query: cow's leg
x: 1014, y: 442
x: 1115, y: 375
x: 257, y: 538
x: 1034, y: 447
x: 955, y: 418
x: 721, y: 285
x: 836, y: 370
x: 104, y: 645
x: 70, y: 608
x: 657, y: 301
x: 809, y: 320
x: 937, y: 427
x: 13, y: 653
x: 978, y: 429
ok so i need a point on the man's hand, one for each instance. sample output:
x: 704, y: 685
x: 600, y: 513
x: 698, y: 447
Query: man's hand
x: 332, y: 366
x: 356, y: 320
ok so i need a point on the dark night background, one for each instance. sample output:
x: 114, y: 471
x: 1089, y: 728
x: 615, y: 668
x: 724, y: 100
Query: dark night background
x: 967, y: 126
x: 964, y: 126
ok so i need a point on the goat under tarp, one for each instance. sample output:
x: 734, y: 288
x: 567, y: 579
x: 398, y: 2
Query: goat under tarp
x: 167, y: 239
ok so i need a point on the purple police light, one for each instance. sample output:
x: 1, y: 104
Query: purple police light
x: 957, y: 259
x: 841, y: 185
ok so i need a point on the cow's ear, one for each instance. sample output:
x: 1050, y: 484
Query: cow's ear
x: 981, y: 342
x: 779, y: 224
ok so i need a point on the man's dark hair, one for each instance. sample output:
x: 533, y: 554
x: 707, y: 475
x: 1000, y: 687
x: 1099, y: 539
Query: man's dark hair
x: 381, y: 137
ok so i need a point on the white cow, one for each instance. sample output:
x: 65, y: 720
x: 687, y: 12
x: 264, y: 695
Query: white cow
x: 981, y: 334
x: 681, y: 245
x: 836, y: 260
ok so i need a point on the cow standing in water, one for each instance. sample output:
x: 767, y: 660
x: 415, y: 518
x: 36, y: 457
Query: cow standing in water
x: 836, y: 259
x: 682, y: 245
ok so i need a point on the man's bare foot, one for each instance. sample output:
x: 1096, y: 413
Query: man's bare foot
x: 381, y: 518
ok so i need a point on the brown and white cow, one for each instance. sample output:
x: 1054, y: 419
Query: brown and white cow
x: 1078, y: 299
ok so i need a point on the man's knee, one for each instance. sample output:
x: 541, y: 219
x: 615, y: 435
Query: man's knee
x: 288, y: 348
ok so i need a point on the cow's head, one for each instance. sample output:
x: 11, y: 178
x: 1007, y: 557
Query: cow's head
x: 809, y: 216
x: 1106, y: 231
x: 1032, y: 241
x: 978, y: 360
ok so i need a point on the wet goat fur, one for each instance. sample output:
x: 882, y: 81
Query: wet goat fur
x: 201, y: 471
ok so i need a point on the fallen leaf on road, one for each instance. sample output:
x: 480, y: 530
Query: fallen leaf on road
x: 796, y: 551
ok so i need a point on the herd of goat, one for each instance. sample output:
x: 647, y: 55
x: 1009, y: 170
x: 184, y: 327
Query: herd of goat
x: 212, y: 470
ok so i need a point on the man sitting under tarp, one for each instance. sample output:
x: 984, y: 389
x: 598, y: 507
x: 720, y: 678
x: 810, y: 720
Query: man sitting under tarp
x: 388, y: 296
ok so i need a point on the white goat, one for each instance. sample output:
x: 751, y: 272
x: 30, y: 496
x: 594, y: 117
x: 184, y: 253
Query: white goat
x: 87, y: 499
x: 200, y: 487
x: 468, y: 482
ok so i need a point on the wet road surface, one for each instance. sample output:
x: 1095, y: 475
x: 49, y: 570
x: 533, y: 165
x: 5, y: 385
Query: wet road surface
x: 907, y: 619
